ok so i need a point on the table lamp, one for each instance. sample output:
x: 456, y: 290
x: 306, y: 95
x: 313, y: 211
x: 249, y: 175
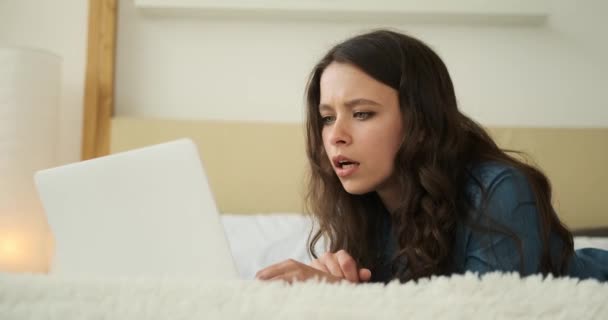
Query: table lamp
x: 30, y: 82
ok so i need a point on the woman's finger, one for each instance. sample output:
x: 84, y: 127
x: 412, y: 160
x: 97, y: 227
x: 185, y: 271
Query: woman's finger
x: 330, y: 261
x: 348, y: 266
x: 289, y: 277
x: 304, y: 273
x: 365, y: 275
x: 276, y: 269
x: 318, y: 265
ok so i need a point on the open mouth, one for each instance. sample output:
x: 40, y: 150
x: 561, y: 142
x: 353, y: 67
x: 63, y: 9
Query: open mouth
x: 344, y: 166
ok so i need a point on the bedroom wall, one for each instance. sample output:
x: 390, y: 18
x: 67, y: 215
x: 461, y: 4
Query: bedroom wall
x: 59, y: 26
x: 249, y: 69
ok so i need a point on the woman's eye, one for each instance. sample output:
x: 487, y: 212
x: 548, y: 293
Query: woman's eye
x: 328, y: 119
x: 362, y: 115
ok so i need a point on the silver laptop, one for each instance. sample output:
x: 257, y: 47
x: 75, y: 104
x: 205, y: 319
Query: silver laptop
x: 145, y: 212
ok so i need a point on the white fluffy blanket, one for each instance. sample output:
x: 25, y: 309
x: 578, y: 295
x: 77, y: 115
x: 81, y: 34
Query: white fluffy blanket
x: 495, y: 296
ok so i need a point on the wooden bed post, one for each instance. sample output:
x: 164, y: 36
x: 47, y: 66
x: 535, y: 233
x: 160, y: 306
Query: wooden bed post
x: 99, y: 81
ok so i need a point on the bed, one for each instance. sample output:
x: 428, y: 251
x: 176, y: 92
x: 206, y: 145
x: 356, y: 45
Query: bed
x: 247, y: 162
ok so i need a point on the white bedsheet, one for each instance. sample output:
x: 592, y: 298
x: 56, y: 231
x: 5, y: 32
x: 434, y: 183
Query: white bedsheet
x: 260, y: 240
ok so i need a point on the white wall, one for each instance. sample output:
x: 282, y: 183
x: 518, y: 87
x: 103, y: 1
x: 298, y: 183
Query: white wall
x: 59, y: 26
x: 249, y: 69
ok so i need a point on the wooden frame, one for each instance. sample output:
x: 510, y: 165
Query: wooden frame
x: 99, y: 81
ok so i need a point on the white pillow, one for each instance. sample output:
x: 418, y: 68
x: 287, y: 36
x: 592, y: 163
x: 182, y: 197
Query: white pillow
x: 591, y: 242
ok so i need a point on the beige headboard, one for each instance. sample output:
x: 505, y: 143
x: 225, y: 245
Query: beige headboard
x: 260, y: 167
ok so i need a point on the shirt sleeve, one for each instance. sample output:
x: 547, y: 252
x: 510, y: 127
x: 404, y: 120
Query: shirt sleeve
x: 509, y: 206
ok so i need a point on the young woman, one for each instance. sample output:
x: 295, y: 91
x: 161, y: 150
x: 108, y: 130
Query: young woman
x: 405, y: 186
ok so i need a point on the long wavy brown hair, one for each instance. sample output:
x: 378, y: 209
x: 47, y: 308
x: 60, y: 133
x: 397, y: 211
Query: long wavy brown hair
x: 432, y: 174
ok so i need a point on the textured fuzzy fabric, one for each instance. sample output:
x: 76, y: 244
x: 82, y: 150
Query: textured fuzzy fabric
x: 495, y: 296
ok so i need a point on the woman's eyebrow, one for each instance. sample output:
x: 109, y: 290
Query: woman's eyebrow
x: 325, y: 107
x: 356, y: 102
x: 350, y: 104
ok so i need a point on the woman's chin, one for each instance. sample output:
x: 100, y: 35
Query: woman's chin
x: 356, y: 189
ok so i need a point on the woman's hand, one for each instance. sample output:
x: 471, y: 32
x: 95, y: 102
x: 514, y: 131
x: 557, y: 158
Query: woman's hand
x: 341, y: 265
x: 292, y: 270
x: 331, y: 267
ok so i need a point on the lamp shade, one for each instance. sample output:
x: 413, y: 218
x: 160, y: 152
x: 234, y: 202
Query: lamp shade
x: 30, y: 82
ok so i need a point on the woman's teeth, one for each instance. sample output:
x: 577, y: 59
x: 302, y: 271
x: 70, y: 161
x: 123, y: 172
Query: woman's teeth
x: 347, y: 164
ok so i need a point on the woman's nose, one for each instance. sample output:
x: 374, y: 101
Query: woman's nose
x: 340, y: 133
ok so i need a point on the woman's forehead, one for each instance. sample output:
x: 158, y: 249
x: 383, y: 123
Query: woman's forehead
x: 341, y: 82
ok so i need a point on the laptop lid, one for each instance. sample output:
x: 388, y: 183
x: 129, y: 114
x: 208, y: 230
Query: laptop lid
x: 145, y: 212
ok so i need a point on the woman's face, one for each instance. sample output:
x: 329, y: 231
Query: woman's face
x: 362, y: 127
